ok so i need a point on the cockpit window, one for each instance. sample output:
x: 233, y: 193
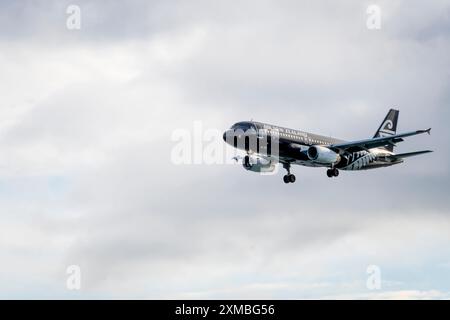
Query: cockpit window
x: 244, y: 126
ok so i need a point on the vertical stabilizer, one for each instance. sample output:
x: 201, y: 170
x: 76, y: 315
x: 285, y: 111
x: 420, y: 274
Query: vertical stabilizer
x: 388, y: 127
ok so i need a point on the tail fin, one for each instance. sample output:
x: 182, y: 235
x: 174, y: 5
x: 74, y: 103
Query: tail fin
x: 388, y: 127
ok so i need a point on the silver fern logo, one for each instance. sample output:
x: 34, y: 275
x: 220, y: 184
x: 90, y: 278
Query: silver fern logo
x: 358, y: 160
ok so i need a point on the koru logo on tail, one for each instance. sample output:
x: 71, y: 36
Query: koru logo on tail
x: 387, y: 128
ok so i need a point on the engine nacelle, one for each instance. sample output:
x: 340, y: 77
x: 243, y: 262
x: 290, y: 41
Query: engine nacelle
x: 323, y: 155
x: 257, y: 164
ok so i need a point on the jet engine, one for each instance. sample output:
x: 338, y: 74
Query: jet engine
x: 323, y: 155
x: 257, y: 164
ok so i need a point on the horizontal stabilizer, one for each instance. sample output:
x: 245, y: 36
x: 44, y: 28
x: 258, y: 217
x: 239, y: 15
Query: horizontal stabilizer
x: 409, y: 154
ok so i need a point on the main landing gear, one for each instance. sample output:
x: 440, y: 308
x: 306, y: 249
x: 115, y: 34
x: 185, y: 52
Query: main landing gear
x: 288, y: 178
x: 332, y: 173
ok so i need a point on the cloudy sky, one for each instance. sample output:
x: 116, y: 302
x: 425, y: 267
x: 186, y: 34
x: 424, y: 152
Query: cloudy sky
x: 87, y: 178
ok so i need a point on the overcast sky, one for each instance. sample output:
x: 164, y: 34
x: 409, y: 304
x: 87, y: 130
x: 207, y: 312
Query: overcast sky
x: 87, y: 178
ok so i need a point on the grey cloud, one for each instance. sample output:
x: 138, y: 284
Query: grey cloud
x: 86, y: 171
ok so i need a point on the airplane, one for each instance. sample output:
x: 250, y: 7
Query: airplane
x: 260, y: 140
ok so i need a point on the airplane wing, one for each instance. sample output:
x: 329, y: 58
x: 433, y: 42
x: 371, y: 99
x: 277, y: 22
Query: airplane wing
x: 375, y: 142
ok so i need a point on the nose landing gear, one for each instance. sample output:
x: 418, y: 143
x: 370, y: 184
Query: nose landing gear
x: 334, y: 172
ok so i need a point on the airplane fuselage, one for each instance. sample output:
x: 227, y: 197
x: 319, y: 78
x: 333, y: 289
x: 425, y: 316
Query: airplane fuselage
x: 293, y: 146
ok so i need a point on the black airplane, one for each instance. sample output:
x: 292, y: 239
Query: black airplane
x: 267, y: 145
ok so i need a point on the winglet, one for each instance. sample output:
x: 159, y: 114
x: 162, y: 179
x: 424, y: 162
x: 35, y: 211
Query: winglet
x: 424, y: 131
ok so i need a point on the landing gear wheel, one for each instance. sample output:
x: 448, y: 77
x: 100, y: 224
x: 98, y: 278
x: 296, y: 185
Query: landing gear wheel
x: 332, y: 173
x: 291, y: 178
x: 288, y: 178
x: 335, y: 172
